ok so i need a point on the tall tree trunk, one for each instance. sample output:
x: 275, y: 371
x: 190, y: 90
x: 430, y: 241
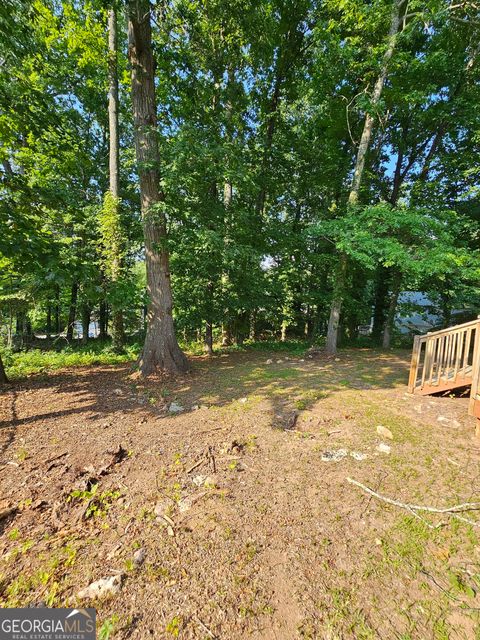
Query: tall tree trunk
x: 72, y: 310
x: 376, y: 95
x: 160, y: 350
x: 3, y: 375
x: 209, y: 321
x: 339, y: 285
x: 19, y: 338
x: 85, y: 322
x: 252, y: 334
x: 392, y: 308
x: 118, y: 334
x: 57, y: 310
x: 102, y: 320
x: 226, y: 324
x: 10, y: 327
x: 227, y: 337
x: 209, y: 338
x: 340, y: 280
x: 49, y: 321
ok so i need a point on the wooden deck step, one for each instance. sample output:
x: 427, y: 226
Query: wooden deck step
x: 446, y: 360
x: 450, y: 385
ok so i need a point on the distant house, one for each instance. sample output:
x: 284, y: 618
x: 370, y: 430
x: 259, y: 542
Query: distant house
x: 418, y: 314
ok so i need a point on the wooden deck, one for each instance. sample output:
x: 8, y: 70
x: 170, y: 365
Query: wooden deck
x: 446, y: 360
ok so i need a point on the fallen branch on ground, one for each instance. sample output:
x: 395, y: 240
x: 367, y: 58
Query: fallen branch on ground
x: 453, y: 510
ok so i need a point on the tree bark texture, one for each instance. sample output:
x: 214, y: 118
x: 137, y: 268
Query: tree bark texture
x: 340, y: 278
x: 72, y: 311
x: 161, y: 350
x: 118, y: 334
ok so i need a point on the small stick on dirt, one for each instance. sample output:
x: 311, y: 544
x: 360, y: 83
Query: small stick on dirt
x: 206, y: 629
x: 466, y: 506
x: 194, y: 466
x: 60, y: 455
x: 336, y: 431
x: 210, y: 430
x: 212, y: 459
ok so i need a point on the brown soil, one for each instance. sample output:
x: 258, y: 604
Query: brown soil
x: 263, y: 538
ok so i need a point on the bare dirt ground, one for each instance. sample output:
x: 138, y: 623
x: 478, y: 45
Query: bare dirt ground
x: 233, y: 518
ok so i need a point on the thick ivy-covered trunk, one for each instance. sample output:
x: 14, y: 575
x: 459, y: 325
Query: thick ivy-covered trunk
x: 161, y: 350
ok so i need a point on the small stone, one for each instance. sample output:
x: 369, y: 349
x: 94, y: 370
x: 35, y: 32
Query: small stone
x: 357, y: 455
x: 161, y: 508
x: 378, y: 542
x: 243, y: 400
x: 337, y: 359
x: 139, y: 557
x: 199, y: 480
x: 269, y: 361
x: 383, y: 431
x: 114, y: 552
x: 279, y: 361
x: 334, y: 456
x: 195, y: 407
x: 384, y: 448
x: 118, y: 392
x: 302, y: 360
x: 451, y: 422
x: 210, y: 482
x: 175, y: 408
x: 101, y: 588
x: 184, y: 505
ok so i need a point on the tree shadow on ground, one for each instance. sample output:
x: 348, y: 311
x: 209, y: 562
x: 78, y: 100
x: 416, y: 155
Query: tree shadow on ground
x: 288, y: 382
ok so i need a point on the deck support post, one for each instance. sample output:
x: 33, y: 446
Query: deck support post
x: 475, y: 372
x: 414, y: 364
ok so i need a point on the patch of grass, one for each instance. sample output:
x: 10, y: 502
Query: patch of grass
x: 97, y: 505
x: 407, y: 544
x: 309, y: 398
x: 45, y: 578
x: 25, y: 363
x: 108, y: 628
x: 291, y: 346
x: 274, y: 374
x: 173, y: 627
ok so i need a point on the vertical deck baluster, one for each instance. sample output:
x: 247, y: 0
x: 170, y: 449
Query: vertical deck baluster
x: 435, y: 345
x: 440, y: 359
x: 448, y: 339
x: 458, y: 353
x: 466, y: 352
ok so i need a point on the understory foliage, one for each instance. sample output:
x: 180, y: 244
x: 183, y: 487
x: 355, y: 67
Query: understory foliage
x: 261, y: 107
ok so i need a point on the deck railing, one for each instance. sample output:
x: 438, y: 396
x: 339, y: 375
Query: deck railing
x: 446, y: 359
